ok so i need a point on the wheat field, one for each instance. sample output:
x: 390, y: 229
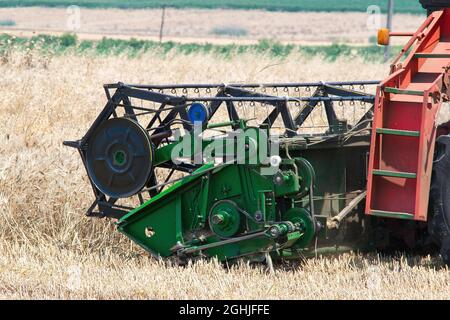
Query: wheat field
x: 49, y: 249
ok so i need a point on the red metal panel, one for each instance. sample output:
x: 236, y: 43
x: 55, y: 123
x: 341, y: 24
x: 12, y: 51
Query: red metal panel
x: 412, y: 109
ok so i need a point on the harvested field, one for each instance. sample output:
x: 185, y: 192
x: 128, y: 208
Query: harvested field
x: 50, y: 250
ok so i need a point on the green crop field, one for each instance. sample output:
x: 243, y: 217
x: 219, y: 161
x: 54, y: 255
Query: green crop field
x: 403, y: 6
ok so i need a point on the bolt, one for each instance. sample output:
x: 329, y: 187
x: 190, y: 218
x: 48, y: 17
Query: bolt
x: 274, y: 231
x: 279, y: 180
x: 217, y: 219
x: 258, y: 216
x: 275, y: 161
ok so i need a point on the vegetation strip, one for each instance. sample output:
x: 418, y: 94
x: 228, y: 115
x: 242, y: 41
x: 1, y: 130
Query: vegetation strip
x: 68, y: 43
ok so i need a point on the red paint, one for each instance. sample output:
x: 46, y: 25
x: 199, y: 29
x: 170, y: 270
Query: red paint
x: 409, y: 112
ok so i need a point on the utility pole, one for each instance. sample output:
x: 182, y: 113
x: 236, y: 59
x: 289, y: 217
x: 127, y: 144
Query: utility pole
x: 162, y: 23
x: 390, y: 16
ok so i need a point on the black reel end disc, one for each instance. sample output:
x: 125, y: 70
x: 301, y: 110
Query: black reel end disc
x: 119, y: 157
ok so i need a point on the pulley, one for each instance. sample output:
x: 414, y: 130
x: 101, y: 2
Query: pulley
x: 306, y: 174
x: 303, y: 222
x: 224, y: 219
x: 119, y: 157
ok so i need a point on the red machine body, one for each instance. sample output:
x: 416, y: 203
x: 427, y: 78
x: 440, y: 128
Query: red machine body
x: 404, y: 126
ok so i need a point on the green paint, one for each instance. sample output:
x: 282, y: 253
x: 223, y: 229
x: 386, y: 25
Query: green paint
x: 432, y: 55
x: 396, y: 174
x: 201, y: 212
x: 294, y: 235
x: 392, y: 214
x: 221, y: 124
x: 398, y: 132
x: 119, y: 157
x: 402, y: 91
x: 225, y: 219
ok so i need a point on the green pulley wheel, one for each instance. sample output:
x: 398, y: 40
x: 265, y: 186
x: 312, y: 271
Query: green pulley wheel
x: 301, y: 219
x: 306, y: 174
x: 224, y: 219
x: 119, y: 157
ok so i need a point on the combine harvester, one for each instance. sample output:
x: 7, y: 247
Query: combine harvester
x: 297, y: 168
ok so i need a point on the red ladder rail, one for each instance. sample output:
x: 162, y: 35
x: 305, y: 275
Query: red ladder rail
x: 404, y: 126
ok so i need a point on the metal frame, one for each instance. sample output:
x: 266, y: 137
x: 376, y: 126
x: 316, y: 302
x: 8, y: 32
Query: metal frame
x: 226, y: 96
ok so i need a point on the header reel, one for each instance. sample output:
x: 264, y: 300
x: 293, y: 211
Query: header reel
x: 119, y: 158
